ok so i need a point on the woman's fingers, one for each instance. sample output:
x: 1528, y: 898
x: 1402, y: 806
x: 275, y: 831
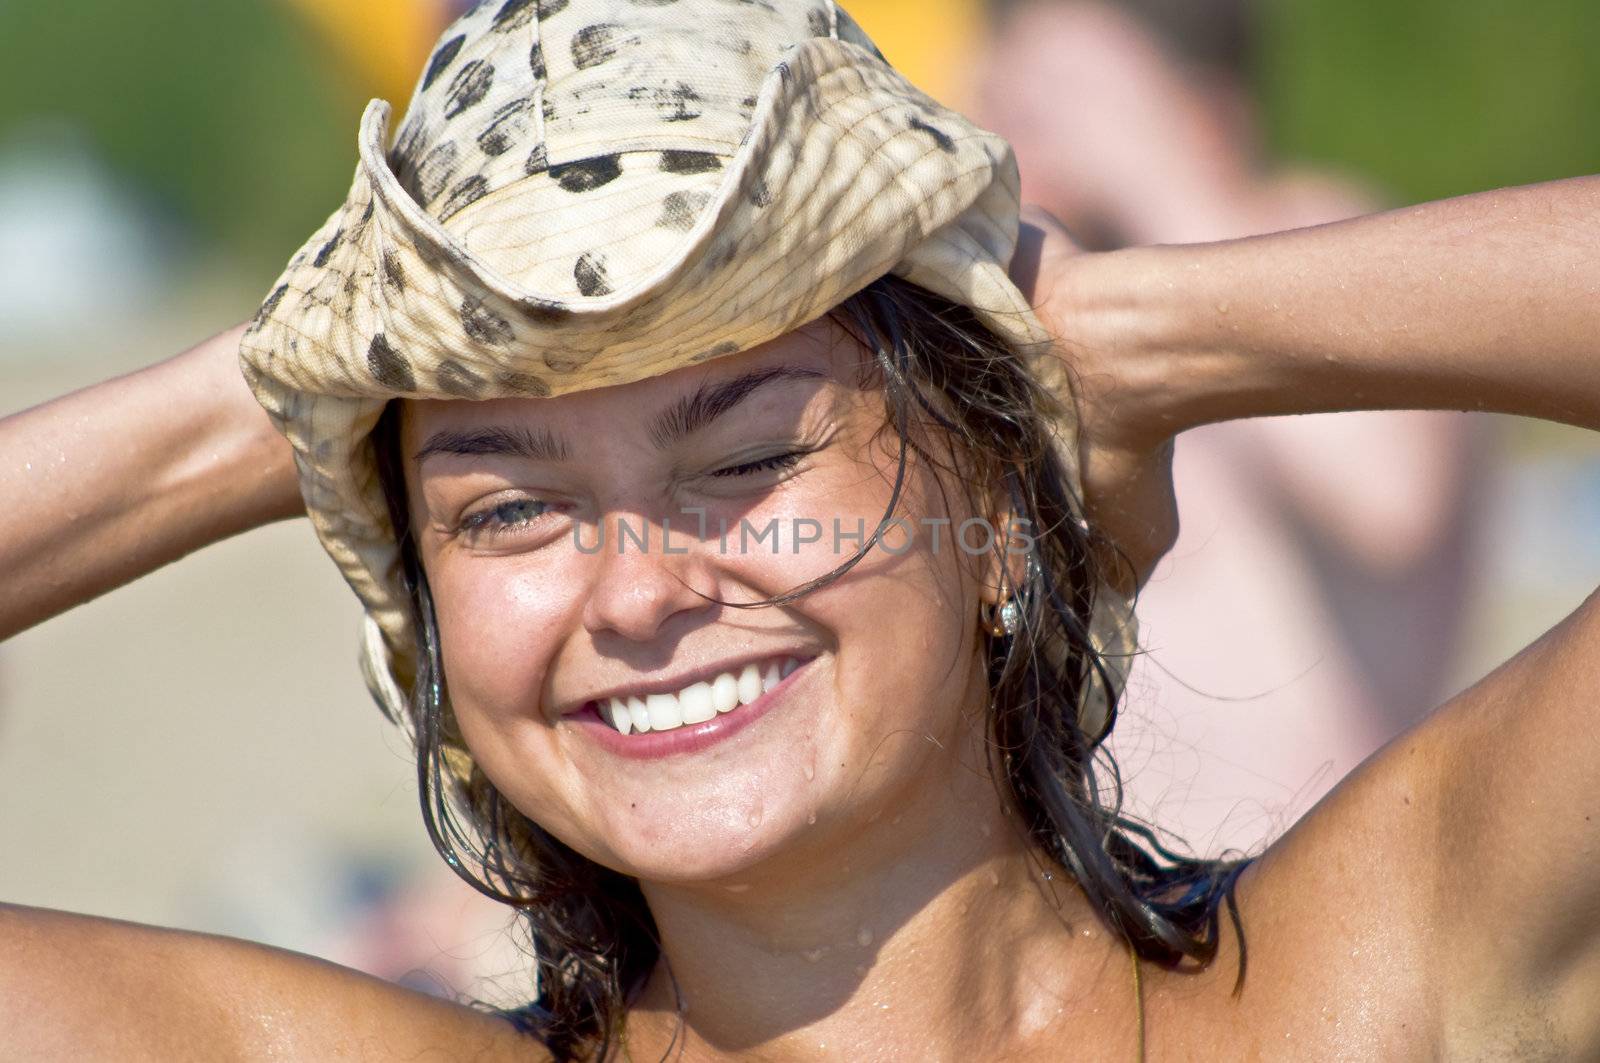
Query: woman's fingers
x: 1043, y: 248
x: 1130, y: 501
x: 1125, y: 455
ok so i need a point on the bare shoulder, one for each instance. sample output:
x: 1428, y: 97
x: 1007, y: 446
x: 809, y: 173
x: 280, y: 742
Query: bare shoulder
x: 1453, y: 880
x: 80, y: 988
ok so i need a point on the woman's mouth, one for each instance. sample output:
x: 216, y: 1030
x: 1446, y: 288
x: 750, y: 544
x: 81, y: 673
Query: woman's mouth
x: 705, y: 711
x: 698, y: 702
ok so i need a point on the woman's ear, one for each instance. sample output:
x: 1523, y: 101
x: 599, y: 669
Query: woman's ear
x: 1005, y: 566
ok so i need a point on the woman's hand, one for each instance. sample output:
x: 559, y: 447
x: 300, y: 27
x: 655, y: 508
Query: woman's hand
x: 1126, y: 435
x: 111, y: 482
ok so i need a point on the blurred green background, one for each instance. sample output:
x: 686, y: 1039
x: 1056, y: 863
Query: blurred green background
x: 227, y: 114
x: 230, y: 115
x: 1434, y: 98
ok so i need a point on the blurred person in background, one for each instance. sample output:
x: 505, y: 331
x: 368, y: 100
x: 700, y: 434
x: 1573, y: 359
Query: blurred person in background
x: 1313, y: 604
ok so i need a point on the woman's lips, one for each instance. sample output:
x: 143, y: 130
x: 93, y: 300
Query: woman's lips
x: 688, y: 737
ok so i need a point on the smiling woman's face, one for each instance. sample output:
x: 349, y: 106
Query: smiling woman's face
x: 806, y: 721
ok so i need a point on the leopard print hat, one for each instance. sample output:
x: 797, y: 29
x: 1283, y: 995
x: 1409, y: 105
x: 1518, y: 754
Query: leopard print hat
x: 590, y: 192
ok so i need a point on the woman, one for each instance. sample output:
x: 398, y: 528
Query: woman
x: 891, y: 840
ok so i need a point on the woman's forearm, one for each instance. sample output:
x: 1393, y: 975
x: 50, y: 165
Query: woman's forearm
x: 111, y: 482
x: 1485, y: 302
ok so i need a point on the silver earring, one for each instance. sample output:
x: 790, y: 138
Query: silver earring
x: 1010, y: 616
x: 1001, y: 620
x: 1011, y: 611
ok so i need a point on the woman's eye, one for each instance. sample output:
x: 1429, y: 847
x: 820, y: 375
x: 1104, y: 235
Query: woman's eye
x: 775, y: 463
x: 504, y: 516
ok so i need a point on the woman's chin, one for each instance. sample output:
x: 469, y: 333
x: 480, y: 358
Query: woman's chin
x: 708, y: 846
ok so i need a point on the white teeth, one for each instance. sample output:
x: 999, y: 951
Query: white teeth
x: 698, y: 702
x: 749, y: 684
x: 695, y: 701
x: 665, y: 713
x: 725, y: 692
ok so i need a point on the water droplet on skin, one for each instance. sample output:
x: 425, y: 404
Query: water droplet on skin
x: 811, y: 771
x: 863, y: 937
x: 813, y: 955
x: 755, y: 818
x: 811, y: 820
x: 994, y: 877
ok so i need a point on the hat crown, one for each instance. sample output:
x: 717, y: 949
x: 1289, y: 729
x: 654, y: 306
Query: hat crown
x: 573, y: 112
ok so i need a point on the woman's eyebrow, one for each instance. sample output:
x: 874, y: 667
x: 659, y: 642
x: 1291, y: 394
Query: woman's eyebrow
x: 682, y: 418
x: 517, y: 441
x: 710, y: 401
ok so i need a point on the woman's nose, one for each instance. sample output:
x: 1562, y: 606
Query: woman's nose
x: 647, y: 573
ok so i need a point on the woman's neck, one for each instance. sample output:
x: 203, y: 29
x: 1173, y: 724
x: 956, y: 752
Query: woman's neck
x: 936, y: 925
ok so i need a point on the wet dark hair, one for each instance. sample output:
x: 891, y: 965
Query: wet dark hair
x: 593, y: 937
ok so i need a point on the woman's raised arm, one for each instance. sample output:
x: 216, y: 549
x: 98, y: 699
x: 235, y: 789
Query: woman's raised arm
x: 104, y: 485
x: 1484, y: 302
x: 1463, y: 855
x: 111, y: 482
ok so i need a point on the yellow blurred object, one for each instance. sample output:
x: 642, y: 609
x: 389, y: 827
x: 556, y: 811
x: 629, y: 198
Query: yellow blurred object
x: 383, y: 42
x: 931, y: 42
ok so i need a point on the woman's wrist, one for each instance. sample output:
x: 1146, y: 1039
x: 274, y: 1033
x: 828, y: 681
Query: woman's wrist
x: 1262, y: 326
x: 1143, y: 323
x: 244, y: 461
x: 113, y: 481
x: 1485, y: 302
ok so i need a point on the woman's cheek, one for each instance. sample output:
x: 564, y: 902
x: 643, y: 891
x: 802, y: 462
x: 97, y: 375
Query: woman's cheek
x: 500, y: 621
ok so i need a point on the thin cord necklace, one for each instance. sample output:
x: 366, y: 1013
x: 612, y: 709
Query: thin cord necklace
x: 1138, y: 1001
